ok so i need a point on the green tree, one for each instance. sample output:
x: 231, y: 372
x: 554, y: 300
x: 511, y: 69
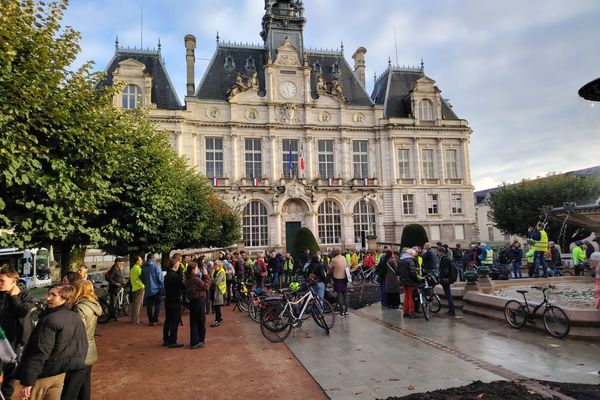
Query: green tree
x: 304, y: 240
x: 413, y: 235
x: 516, y: 207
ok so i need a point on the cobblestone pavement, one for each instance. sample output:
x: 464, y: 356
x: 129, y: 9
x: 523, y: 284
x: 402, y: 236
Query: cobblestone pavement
x: 375, y: 353
x: 237, y: 363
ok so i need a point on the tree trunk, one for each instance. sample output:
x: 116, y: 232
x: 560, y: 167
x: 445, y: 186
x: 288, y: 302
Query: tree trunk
x: 70, y: 257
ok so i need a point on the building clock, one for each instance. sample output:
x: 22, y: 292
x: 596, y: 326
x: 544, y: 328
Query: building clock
x: 287, y: 90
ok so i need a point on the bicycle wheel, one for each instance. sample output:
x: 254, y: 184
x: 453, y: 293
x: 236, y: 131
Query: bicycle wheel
x: 255, y: 311
x: 373, y: 276
x: 328, y: 313
x: 105, y: 312
x: 435, y: 303
x: 319, y: 316
x: 426, y: 308
x: 125, y: 306
x: 556, y: 322
x: 515, y: 314
x: 275, y: 325
x: 357, y: 277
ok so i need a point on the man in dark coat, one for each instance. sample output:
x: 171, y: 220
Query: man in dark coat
x: 446, y: 279
x: 174, y: 287
x: 15, y: 304
x: 429, y: 258
x: 58, y: 344
x: 115, y: 283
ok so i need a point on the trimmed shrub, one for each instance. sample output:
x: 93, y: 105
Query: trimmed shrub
x: 304, y: 240
x: 413, y: 235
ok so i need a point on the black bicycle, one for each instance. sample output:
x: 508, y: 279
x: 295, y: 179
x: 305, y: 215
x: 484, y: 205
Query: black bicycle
x: 556, y: 322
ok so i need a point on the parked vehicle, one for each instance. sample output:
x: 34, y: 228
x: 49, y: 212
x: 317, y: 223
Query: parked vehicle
x: 31, y: 264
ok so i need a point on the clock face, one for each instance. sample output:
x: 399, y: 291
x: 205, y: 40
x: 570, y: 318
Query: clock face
x: 287, y: 90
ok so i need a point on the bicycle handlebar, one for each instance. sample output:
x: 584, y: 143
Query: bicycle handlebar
x: 543, y: 288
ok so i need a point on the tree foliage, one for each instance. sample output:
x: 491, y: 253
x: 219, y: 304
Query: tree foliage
x: 305, y: 239
x: 413, y: 235
x: 516, y: 207
x: 76, y: 171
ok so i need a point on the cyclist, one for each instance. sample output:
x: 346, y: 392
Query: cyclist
x: 115, y: 283
x: 315, y: 276
x: 579, y: 257
x: 407, y: 269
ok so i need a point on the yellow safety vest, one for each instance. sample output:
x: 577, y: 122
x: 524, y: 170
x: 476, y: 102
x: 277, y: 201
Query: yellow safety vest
x: 542, y: 244
x: 489, y: 257
x: 223, y: 283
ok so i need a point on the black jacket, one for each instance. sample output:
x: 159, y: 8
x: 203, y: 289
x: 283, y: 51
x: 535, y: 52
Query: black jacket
x: 429, y: 260
x: 174, y: 286
x: 13, y: 308
x: 445, y: 266
x: 407, y: 269
x: 115, y: 279
x: 57, y: 344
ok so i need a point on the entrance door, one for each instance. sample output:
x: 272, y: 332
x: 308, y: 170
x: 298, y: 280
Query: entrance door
x: 291, y: 228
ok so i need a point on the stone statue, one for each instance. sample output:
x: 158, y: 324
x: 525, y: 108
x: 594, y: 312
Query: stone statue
x: 243, y: 84
x: 321, y: 85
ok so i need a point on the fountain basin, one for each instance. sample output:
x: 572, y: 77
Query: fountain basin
x: 585, y: 322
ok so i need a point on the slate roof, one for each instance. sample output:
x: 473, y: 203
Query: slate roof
x: 392, y: 89
x: 163, y: 93
x: 218, y: 79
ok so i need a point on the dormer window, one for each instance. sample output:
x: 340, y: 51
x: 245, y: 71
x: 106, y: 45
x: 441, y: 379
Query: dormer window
x: 131, y: 97
x: 229, y: 63
x: 426, y: 110
x: 250, y: 64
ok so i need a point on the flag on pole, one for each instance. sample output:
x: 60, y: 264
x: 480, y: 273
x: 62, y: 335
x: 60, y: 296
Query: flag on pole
x: 215, y: 181
x: 366, y: 181
x: 330, y: 181
x: 302, y: 158
x: 255, y: 181
x: 290, y: 165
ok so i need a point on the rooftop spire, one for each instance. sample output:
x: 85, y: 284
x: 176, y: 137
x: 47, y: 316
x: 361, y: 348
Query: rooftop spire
x: 116, y: 42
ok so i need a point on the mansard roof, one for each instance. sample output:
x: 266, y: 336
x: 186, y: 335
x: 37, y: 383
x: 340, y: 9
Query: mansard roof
x: 392, y: 89
x: 229, y: 59
x: 163, y: 92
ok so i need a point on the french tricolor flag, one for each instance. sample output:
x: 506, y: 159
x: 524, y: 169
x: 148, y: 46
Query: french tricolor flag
x: 215, y: 181
x: 330, y: 181
x: 366, y: 180
x: 302, y: 158
x: 255, y: 181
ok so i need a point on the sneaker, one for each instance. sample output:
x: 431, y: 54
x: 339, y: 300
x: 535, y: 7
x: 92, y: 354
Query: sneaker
x: 215, y: 324
x: 197, y: 345
x: 451, y: 314
x: 175, y: 345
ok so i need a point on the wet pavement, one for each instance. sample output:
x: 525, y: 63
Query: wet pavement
x: 375, y: 353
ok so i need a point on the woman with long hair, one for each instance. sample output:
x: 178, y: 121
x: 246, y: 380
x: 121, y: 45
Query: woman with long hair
x: 78, y: 384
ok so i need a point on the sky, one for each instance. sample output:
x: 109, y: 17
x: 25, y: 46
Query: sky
x: 511, y: 68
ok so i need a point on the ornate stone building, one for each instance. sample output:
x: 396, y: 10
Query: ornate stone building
x: 291, y: 136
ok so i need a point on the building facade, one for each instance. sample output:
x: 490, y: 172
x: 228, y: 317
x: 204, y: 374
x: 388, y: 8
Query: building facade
x: 290, y: 136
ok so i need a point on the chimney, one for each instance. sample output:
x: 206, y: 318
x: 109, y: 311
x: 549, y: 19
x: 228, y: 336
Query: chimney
x: 359, y: 64
x: 190, y: 58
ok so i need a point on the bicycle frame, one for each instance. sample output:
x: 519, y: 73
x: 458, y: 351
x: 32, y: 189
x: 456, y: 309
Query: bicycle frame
x: 536, y: 308
x: 289, y: 305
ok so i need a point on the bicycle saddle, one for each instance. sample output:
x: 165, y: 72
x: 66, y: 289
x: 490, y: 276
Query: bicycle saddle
x: 522, y: 291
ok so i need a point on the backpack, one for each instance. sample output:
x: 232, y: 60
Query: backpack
x: 312, y: 277
x: 453, y: 273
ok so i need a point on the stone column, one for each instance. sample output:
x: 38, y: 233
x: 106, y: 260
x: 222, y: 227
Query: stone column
x: 234, y: 162
x: 274, y: 163
x: 348, y: 240
x: 277, y: 228
x: 466, y: 162
x: 346, y: 157
x: 201, y: 157
x: 417, y: 160
x: 195, y: 151
x: 309, y: 159
x: 178, y: 142
x: 441, y: 161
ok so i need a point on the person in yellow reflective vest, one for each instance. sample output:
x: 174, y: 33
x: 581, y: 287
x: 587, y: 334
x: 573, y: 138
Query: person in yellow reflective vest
x: 487, y: 256
x: 353, y: 261
x: 217, y: 291
x: 530, y: 254
x: 540, y: 246
x: 288, y: 268
x: 579, y: 258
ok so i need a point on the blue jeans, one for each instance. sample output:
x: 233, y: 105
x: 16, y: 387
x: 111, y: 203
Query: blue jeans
x: 276, y: 279
x: 320, y: 289
x: 153, y: 307
x: 538, y: 260
x: 516, y: 266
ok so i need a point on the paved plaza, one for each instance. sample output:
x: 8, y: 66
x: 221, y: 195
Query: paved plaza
x: 375, y: 353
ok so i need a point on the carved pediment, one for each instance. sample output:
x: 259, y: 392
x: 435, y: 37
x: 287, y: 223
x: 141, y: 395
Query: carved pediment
x: 425, y: 85
x: 287, y: 55
x: 129, y: 66
x: 333, y: 88
x: 242, y: 84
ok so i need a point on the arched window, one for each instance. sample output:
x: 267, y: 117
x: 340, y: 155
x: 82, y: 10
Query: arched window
x: 131, y: 96
x: 426, y: 110
x: 330, y: 223
x: 364, y: 220
x: 255, y: 228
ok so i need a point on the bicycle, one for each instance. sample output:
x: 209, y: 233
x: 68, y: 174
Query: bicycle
x: 556, y: 321
x: 278, y: 320
x: 429, y: 300
x: 359, y: 275
x: 120, y: 302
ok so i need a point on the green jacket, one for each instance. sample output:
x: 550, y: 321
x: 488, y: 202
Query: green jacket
x: 89, y: 311
x: 578, y: 255
x: 530, y: 254
x: 134, y: 277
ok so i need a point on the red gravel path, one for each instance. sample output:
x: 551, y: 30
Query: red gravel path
x: 237, y: 363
